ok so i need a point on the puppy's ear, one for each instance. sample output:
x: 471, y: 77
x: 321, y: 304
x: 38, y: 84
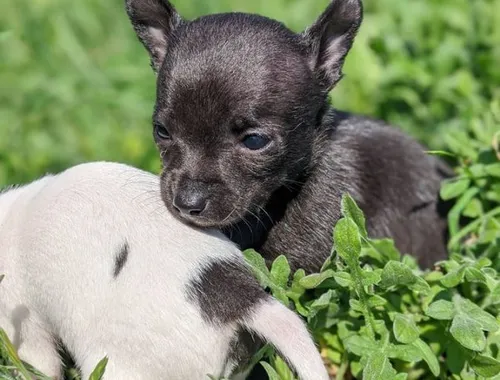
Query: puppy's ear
x: 330, y: 38
x: 154, y: 21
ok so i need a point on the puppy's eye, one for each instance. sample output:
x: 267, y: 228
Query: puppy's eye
x: 256, y: 142
x: 161, y: 132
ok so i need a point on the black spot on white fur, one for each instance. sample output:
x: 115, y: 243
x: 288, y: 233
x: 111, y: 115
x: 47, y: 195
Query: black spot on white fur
x: 121, y: 259
x: 225, y: 291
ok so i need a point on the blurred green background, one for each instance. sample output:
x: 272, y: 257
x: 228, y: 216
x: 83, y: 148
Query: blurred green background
x: 75, y: 84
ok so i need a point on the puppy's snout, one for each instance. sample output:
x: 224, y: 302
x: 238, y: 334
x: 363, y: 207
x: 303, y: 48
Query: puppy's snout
x: 191, y: 200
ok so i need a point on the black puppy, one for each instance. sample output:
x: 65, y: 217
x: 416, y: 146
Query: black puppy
x: 250, y: 144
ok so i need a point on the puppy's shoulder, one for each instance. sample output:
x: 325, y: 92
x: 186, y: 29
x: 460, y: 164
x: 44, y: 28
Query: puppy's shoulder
x: 356, y: 127
x: 373, y: 140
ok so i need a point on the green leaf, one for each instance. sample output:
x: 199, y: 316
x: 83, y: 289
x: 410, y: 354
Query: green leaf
x: 405, y: 352
x: 314, y: 280
x: 454, y: 188
x: 344, y: 279
x: 474, y: 275
x: 404, y: 328
x: 280, y: 271
x: 360, y: 345
x: 420, y: 286
x: 258, y: 266
x: 273, y: 375
x: 297, y: 276
x: 280, y: 294
x: 351, y: 210
x: 376, y: 301
x: 429, y: 356
x: 441, y: 310
x: 356, y: 368
x: 347, y: 240
x: 99, y: 370
x: 386, y: 248
x: 323, y: 301
x: 356, y: 305
x: 485, y: 365
x: 468, y: 333
x: 453, y: 278
x: 493, y: 169
x: 396, y: 273
x: 441, y: 153
x: 6, y: 375
x: 12, y: 356
x: 378, y: 367
x: 473, y: 209
x: 495, y: 295
x: 485, y: 320
x: 1, y: 277
x: 296, y: 291
x: 455, y: 357
x: 482, y: 263
x: 35, y: 373
x: 433, y: 276
x: 371, y: 277
x: 457, y: 210
x: 282, y: 368
x: 401, y: 376
x: 327, y: 263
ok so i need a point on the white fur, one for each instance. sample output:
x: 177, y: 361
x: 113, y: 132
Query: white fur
x: 59, y: 237
x: 276, y: 323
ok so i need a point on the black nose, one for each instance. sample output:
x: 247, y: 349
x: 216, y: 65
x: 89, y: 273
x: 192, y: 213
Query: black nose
x: 190, y: 203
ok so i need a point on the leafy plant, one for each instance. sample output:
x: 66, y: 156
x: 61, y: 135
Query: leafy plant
x: 377, y: 316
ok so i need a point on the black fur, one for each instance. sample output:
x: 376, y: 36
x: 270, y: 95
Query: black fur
x: 225, y: 76
x: 242, y: 348
x: 120, y: 259
x: 157, y: 14
x: 225, y: 291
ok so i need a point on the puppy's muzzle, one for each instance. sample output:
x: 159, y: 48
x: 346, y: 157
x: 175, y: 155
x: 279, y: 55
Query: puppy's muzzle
x: 191, y: 199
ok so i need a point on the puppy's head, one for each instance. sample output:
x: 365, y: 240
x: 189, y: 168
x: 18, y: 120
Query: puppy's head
x: 239, y: 103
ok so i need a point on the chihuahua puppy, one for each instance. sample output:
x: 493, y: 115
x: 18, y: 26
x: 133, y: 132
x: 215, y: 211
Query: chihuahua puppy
x: 250, y: 144
x: 92, y: 258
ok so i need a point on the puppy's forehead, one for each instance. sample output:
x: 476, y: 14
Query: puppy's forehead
x: 235, y: 34
x: 225, y: 65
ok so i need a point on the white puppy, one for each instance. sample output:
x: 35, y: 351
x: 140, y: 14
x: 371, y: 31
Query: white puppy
x: 92, y: 258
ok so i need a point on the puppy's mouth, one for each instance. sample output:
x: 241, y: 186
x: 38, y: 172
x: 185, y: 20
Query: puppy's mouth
x: 204, y: 221
x: 210, y: 217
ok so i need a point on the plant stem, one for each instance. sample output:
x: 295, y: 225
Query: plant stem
x: 343, y: 367
x: 357, y: 273
x: 471, y: 226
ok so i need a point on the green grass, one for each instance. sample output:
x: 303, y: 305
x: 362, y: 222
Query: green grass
x: 75, y: 85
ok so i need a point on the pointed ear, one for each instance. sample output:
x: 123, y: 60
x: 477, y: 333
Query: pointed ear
x: 330, y: 38
x: 154, y: 22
